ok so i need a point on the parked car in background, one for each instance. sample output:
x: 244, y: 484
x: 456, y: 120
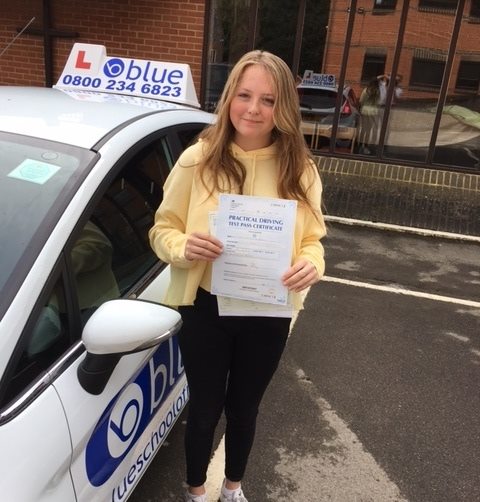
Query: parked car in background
x: 317, y: 106
x: 91, y: 377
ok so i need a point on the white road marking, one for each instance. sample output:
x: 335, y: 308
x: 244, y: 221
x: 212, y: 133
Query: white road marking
x: 458, y: 337
x: 400, y: 291
x: 401, y: 228
x: 347, y: 473
x: 215, y: 472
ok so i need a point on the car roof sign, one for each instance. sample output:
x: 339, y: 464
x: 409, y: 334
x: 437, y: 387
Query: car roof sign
x: 318, y: 79
x: 88, y: 68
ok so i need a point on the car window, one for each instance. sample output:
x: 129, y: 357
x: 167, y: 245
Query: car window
x: 189, y: 136
x: 317, y: 98
x: 109, y: 258
x: 37, y: 180
x: 91, y: 259
x: 120, y: 225
x: 50, y: 337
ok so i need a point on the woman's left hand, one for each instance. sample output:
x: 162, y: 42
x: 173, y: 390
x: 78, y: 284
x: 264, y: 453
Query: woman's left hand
x: 301, y: 275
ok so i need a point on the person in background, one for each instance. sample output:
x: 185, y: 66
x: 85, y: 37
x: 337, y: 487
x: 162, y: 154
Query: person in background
x: 398, y: 91
x: 255, y: 148
x: 383, y: 83
x: 372, y: 101
x: 370, y: 118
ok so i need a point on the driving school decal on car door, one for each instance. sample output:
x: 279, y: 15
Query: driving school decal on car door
x: 157, y: 386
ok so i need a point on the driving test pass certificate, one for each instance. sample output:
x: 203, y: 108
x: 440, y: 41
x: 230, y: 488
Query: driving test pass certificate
x: 257, y: 235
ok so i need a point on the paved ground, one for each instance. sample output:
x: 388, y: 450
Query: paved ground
x: 376, y: 398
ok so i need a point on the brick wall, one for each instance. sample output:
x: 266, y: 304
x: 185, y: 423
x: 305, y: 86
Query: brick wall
x: 166, y: 30
x: 428, y: 30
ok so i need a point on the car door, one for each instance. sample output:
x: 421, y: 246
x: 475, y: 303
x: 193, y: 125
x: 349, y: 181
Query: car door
x: 35, y: 444
x: 24, y: 440
x: 116, y: 434
x: 58, y: 443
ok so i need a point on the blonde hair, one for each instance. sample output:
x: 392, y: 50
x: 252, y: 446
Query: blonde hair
x: 218, y: 163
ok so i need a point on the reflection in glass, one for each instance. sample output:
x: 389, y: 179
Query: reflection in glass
x: 395, y: 121
x: 475, y: 9
x: 411, y: 123
x: 422, y: 65
x: 279, y: 36
x: 228, y: 40
x: 437, y: 4
x: 428, y: 67
x: 374, y: 62
x: 348, y: 123
x: 379, y: 5
x: 458, y: 140
x: 319, y: 95
x: 314, y: 36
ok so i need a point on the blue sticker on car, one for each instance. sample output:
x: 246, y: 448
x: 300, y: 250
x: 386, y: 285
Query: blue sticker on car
x: 132, y: 409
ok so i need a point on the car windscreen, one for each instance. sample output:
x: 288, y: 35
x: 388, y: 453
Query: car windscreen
x: 322, y: 99
x: 37, y: 179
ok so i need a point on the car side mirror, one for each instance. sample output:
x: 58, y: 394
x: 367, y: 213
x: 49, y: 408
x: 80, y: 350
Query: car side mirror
x: 120, y: 327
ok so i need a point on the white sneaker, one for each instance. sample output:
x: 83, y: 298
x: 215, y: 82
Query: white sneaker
x: 236, y: 496
x: 189, y: 497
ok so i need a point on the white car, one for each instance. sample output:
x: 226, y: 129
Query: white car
x: 91, y: 379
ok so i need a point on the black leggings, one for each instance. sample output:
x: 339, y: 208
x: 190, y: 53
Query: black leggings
x: 229, y: 362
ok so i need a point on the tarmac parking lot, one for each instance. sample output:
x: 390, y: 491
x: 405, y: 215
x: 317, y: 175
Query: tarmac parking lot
x: 376, y: 398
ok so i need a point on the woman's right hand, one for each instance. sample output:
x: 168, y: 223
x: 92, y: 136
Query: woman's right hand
x: 201, y: 246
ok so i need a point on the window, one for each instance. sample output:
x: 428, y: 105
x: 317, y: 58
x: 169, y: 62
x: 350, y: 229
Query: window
x: 188, y: 136
x: 427, y: 69
x: 31, y: 206
x: 110, y: 257
x: 475, y: 8
x: 46, y: 337
x: 117, y: 231
x: 120, y: 223
x: 437, y: 5
x: 91, y: 258
x: 468, y: 78
x: 373, y: 64
x: 384, y: 5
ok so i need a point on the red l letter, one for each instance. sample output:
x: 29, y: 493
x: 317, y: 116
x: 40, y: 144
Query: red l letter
x: 81, y: 63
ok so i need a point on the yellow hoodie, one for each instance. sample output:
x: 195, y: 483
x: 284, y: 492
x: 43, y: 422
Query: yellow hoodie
x: 186, y: 205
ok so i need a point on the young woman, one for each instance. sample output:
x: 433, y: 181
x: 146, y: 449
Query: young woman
x: 370, y: 121
x: 254, y: 148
